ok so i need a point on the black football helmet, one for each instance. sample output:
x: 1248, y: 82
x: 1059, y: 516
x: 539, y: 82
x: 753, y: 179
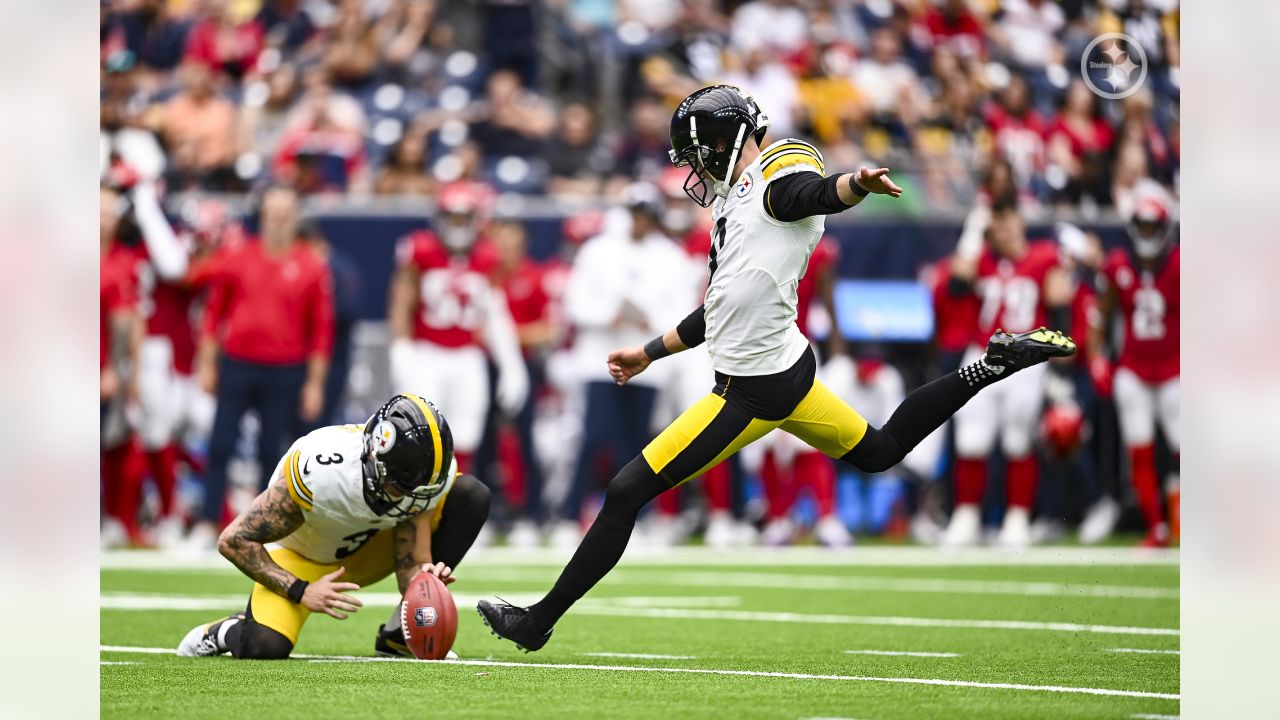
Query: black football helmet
x: 407, y: 447
x: 707, y: 132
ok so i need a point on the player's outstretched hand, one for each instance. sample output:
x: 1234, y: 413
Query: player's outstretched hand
x: 877, y: 181
x: 627, y: 363
x: 440, y: 570
x: 328, y: 596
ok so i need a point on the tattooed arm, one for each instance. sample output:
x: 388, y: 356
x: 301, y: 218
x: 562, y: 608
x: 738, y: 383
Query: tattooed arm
x: 272, y: 516
x: 413, y: 547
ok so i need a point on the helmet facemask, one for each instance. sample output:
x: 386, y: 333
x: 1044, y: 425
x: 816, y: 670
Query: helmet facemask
x: 705, y: 162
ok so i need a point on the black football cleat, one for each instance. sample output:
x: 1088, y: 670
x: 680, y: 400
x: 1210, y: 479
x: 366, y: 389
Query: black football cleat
x: 390, y: 643
x: 1010, y: 353
x: 512, y: 623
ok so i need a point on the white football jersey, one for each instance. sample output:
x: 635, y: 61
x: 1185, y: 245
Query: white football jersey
x: 323, y: 474
x: 756, y: 263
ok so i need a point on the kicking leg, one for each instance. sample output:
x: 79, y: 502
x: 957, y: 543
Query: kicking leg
x: 927, y: 407
x: 705, y: 434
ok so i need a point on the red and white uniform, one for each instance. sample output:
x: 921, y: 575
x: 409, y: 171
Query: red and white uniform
x: 457, y: 314
x: 117, y: 292
x: 169, y: 397
x: 1010, y: 291
x: 1146, y: 384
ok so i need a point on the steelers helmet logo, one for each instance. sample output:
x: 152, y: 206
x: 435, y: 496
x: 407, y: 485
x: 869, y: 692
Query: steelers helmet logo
x: 384, y: 437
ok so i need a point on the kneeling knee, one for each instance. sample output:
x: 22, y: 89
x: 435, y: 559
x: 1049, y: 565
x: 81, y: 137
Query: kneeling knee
x: 469, y: 493
x: 259, y: 642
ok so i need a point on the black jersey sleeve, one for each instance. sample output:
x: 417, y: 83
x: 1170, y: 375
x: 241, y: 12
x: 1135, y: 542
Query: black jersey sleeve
x: 693, y: 329
x: 801, y: 195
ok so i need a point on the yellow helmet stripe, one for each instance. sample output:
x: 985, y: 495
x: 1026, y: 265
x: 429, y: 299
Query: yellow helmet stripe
x: 435, y: 432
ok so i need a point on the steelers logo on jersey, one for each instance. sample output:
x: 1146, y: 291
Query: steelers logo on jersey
x: 384, y: 437
x: 744, y: 187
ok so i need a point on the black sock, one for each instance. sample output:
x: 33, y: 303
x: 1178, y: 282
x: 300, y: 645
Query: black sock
x: 927, y: 407
x: 924, y: 410
x: 633, y: 487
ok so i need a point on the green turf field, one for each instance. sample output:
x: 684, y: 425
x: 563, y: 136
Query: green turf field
x: 692, y: 634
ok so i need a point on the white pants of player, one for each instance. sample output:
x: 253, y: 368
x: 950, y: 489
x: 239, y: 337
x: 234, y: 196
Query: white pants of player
x: 170, y: 403
x: 1140, y: 404
x: 455, y: 380
x: 1008, y: 410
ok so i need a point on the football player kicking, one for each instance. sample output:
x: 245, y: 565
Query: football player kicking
x: 347, y: 506
x: 769, y: 211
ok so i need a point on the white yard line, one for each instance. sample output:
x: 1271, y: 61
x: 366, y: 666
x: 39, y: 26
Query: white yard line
x: 884, y: 584
x: 1152, y: 716
x: 745, y: 615
x: 736, y: 673
x: 639, y: 656
x: 903, y: 653
x: 652, y: 607
x: 146, y: 601
x: 116, y: 662
x: 1144, y: 651
x: 638, y: 555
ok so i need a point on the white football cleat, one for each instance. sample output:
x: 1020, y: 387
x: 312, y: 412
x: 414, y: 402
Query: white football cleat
x: 721, y: 532
x: 524, y: 535
x: 778, y: 533
x: 451, y: 655
x: 1015, y: 534
x: 168, y: 533
x: 965, y: 528
x: 1100, y: 521
x: 832, y: 533
x: 202, y: 639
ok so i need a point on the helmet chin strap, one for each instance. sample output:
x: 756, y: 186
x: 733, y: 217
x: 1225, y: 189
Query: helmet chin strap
x: 721, y: 187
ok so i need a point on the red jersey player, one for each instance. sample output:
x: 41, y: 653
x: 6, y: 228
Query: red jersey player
x: 1142, y: 285
x: 1018, y: 282
x: 445, y: 312
x: 120, y: 331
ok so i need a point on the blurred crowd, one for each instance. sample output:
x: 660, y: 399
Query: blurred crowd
x: 225, y: 334
x: 571, y: 98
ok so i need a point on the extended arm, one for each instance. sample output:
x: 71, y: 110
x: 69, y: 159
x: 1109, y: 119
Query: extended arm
x: 805, y: 194
x: 628, y: 362
x: 167, y: 254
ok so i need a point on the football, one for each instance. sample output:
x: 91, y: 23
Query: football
x: 428, y: 617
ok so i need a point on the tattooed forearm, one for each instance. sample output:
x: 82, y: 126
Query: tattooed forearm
x: 272, y: 516
x: 406, y: 542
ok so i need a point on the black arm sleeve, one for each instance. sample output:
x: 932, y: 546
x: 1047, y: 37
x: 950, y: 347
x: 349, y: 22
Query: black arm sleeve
x: 802, y: 195
x: 693, y: 329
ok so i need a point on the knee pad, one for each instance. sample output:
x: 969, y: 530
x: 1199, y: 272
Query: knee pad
x: 876, y: 452
x: 632, y: 488
x: 259, y: 642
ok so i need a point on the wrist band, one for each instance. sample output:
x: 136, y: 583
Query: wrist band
x: 656, y: 348
x: 856, y: 188
x: 298, y: 587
